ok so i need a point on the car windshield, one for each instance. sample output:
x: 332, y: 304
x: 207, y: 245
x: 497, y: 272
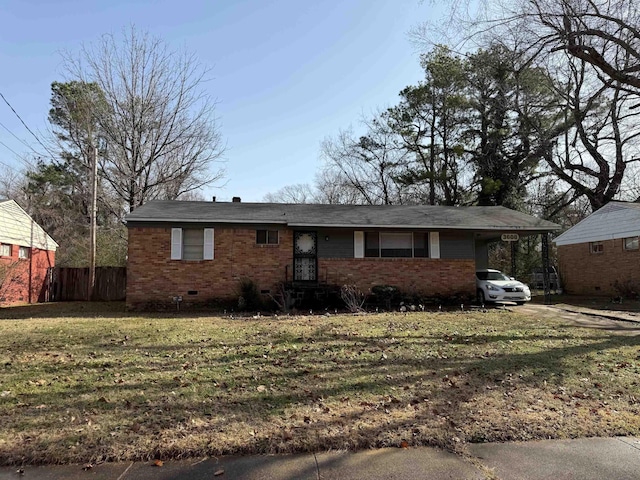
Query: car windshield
x: 492, y: 276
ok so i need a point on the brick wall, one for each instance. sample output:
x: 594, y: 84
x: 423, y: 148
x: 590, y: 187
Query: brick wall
x: 585, y: 273
x: 428, y: 276
x: 153, y: 278
x: 14, y: 271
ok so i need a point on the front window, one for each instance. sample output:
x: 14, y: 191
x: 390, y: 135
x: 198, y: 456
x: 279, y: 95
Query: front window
x: 5, y: 250
x: 596, y: 247
x: 267, y: 237
x: 192, y: 244
x: 23, y: 252
x: 631, y: 243
x: 395, y: 245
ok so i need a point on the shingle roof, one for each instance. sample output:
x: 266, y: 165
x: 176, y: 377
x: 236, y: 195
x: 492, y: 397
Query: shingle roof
x: 353, y: 216
x: 614, y: 220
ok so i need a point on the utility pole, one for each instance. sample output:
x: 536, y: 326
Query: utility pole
x: 94, y: 210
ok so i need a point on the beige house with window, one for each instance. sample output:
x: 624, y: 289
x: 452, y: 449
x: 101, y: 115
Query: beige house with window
x: 601, y: 255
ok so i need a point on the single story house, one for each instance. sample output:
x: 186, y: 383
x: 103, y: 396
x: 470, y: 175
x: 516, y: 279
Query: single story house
x: 601, y: 251
x: 201, y: 250
x: 26, y: 254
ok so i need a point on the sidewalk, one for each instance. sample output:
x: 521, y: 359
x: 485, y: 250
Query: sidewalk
x: 584, y: 459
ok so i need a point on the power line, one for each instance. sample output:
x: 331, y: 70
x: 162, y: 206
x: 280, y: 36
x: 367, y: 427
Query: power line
x: 25, y: 125
x: 22, y: 159
x: 9, y: 148
x: 7, y: 165
x: 17, y: 138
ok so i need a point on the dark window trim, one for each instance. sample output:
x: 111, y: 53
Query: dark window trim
x: 596, y: 251
x: 267, y: 237
x: 368, y: 252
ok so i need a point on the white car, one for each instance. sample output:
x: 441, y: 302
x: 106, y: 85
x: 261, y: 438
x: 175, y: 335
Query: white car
x: 495, y: 286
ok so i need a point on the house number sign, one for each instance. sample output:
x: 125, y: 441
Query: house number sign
x: 510, y: 237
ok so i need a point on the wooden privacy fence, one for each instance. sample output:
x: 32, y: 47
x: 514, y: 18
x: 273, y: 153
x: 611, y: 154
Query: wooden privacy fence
x: 69, y: 284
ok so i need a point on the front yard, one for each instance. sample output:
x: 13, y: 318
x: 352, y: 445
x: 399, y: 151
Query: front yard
x: 88, y: 383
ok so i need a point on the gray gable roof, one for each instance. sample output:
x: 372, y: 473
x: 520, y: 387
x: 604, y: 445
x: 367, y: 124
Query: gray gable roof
x: 348, y: 216
x: 614, y: 220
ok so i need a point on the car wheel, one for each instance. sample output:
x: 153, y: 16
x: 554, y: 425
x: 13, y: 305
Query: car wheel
x: 520, y: 303
x: 480, y: 296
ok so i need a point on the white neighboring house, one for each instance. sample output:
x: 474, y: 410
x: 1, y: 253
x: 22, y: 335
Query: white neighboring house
x: 600, y: 255
x: 26, y: 253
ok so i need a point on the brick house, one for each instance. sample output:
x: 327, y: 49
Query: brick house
x: 26, y: 254
x: 601, y: 251
x: 201, y: 250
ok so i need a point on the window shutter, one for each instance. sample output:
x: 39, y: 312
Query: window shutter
x: 176, y: 244
x: 434, y: 244
x: 358, y: 244
x: 208, y: 244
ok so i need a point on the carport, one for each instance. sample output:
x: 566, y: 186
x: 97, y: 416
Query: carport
x: 512, y: 235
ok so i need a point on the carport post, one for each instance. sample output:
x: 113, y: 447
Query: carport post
x: 545, y: 268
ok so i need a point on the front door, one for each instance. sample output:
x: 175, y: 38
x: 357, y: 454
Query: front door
x: 305, y: 256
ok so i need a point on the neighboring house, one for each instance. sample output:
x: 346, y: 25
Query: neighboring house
x: 601, y: 250
x: 26, y: 253
x: 201, y: 250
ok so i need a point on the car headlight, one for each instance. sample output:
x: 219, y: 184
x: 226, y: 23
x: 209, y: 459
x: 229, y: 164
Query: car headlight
x: 492, y: 287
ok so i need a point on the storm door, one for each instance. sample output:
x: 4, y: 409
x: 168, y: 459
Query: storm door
x: 305, y: 256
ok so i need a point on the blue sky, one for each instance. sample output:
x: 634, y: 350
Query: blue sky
x: 286, y: 73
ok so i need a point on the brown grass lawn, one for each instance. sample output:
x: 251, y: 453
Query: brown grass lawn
x: 88, y: 383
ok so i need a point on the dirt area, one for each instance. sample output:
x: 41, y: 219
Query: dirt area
x: 587, y: 312
x: 597, y: 303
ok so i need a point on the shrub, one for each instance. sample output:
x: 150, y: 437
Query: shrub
x: 386, y: 295
x: 353, y: 298
x: 627, y: 289
x: 249, y: 298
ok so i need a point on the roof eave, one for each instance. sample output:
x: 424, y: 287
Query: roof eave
x: 532, y: 229
x: 200, y: 220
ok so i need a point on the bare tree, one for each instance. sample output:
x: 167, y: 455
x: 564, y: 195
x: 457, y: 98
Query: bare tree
x: 601, y: 33
x: 332, y: 187
x: 158, y: 122
x: 369, y: 165
x: 602, y: 145
x: 297, y: 193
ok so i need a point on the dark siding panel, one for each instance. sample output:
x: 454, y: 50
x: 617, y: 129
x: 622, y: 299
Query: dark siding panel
x: 459, y: 246
x: 482, y: 254
x: 338, y: 245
